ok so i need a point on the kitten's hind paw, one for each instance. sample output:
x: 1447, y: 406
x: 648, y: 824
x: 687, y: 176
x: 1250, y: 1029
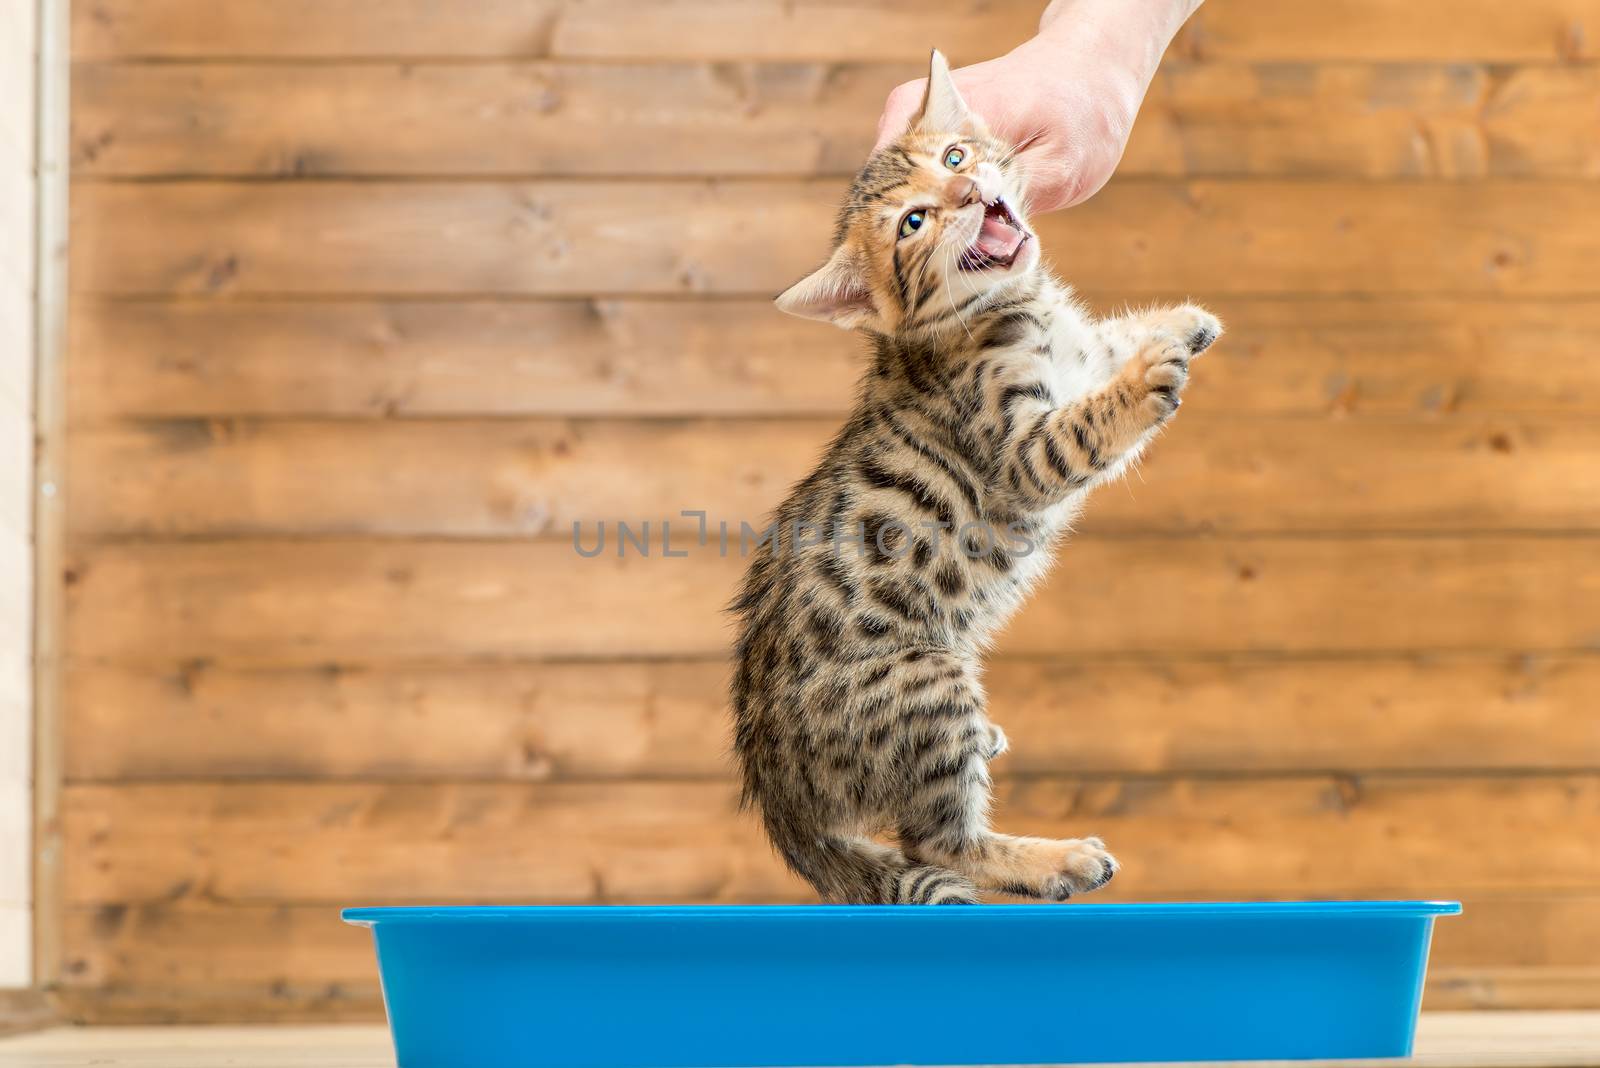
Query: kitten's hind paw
x: 932, y: 885
x: 998, y: 742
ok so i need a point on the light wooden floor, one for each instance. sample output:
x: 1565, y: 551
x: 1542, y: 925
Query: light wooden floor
x: 1444, y: 1040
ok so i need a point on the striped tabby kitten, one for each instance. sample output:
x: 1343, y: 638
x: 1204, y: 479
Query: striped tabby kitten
x: 993, y: 405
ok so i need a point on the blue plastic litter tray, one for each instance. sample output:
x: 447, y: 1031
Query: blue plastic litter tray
x: 708, y: 986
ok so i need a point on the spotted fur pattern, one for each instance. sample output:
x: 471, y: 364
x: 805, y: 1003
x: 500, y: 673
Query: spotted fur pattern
x: 992, y: 405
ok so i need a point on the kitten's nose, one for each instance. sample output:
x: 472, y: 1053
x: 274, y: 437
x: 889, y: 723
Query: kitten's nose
x: 960, y: 190
x: 981, y: 183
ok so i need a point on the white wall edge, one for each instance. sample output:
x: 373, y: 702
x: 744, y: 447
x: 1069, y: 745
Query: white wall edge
x: 50, y: 330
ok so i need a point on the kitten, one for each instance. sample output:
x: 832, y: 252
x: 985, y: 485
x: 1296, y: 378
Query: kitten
x: 994, y: 403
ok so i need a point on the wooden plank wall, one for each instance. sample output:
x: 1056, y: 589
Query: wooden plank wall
x: 374, y: 298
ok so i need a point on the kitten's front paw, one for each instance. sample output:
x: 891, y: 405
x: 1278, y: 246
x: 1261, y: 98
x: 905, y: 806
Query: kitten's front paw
x: 1084, y: 865
x: 1193, y: 325
x: 1204, y: 329
x: 1162, y: 369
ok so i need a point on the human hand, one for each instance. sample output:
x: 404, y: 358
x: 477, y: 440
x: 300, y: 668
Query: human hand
x: 1068, y: 108
x: 1066, y: 98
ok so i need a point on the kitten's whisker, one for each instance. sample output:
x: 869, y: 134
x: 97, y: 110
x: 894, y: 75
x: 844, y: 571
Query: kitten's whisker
x: 950, y: 295
x: 1026, y: 183
x: 922, y: 271
x: 1018, y: 147
x: 968, y: 284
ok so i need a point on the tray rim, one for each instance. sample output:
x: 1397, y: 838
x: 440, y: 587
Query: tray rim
x: 371, y: 916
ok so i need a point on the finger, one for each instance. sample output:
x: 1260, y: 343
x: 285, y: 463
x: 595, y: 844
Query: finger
x: 898, y: 109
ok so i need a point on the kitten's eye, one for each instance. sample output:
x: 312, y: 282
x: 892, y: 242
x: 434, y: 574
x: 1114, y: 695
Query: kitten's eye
x: 912, y: 223
x: 953, y: 158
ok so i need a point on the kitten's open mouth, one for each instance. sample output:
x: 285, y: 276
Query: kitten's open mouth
x: 999, y: 240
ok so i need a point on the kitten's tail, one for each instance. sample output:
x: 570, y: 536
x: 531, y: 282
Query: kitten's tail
x: 859, y: 871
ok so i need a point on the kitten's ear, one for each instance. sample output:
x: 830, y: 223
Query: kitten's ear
x: 943, y: 110
x: 835, y: 293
